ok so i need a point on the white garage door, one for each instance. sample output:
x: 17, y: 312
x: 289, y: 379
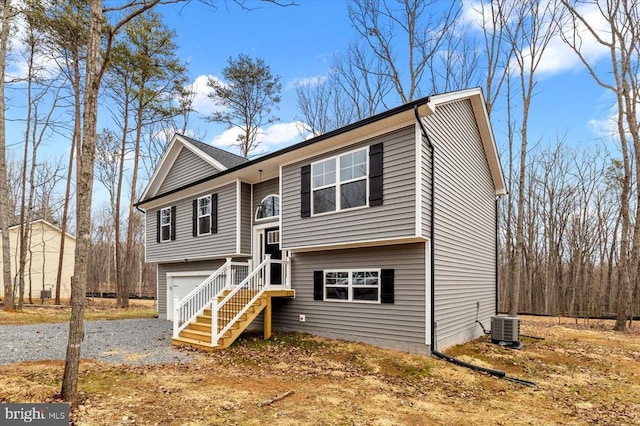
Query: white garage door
x: 180, y: 284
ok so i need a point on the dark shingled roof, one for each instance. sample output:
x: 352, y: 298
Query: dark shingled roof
x: 227, y: 158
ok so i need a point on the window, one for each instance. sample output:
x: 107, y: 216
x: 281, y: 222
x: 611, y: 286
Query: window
x: 273, y: 237
x: 340, y: 183
x: 165, y: 224
x: 204, y: 215
x: 269, y: 207
x: 352, y: 286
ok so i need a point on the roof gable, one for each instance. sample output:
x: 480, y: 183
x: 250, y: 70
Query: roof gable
x: 185, y: 161
x: 401, y: 115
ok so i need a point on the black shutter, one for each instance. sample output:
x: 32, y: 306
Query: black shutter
x: 375, y: 174
x: 173, y: 223
x: 194, y: 223
x: 305, y: 191
x: 318, y: 285
x: 158, y: 226
x: 214, y: 213
x: 387, y: 285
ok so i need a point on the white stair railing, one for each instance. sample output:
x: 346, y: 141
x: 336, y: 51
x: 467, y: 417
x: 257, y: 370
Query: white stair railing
x: 198, y: 299
x: 238, y: 301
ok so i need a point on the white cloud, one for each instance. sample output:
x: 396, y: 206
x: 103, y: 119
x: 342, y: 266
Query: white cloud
x: 558, y: 56
x: 307, y: 81
x: 271, y: 138
x: 45, y: 65
x: 201, y: 102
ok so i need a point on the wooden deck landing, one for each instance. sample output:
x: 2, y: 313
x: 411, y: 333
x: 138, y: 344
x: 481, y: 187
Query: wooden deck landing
x: 198, y: 333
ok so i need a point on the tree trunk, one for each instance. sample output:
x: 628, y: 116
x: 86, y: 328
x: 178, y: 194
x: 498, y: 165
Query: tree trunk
x: 75, y: 145
x: 83, y: 204
x: 5, y: 214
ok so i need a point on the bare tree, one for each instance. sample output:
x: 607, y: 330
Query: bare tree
x: 529, y: 39
x: 417, y: 28
x: 96, y: 62
x: 622, y: 77
x: 97, y: 58
x: 7, y: 15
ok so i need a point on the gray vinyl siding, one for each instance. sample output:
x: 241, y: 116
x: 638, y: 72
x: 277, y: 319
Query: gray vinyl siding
x: 464, y: 226
x: 164, y: 268
x: 400, y: 325
x: 262, y: 190
x: 246, y: 215
x: 186, y: 246
x: 425, y: 179
x: 187, y: 168
x: 394, y: 219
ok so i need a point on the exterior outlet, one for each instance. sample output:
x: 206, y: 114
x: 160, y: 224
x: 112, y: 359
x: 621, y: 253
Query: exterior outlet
x: 303, y: 318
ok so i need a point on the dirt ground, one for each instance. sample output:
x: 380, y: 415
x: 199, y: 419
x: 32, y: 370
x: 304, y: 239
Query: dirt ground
x: 585, y: 374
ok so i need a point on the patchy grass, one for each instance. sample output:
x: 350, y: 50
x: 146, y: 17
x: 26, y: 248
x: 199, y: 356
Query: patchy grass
x: 95, y: 309
x: 585, y: 375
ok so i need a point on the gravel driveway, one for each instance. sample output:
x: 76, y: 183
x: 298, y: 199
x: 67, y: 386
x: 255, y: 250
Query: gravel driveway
x: 132, y: 341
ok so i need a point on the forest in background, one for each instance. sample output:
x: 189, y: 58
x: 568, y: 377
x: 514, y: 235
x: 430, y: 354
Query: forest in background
x: 569, y: 226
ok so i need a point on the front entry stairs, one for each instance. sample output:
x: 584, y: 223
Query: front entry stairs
x: 197, y: 333
x: 219, y: 309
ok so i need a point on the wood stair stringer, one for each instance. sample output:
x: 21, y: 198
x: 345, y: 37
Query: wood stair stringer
x: 198, y: 332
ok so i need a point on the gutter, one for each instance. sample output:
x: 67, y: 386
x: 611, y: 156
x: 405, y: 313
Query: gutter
x: 434, y: 351
x: 389, y: 113
x: 432, y: 197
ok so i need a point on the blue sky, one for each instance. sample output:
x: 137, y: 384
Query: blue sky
x: 298, y: 44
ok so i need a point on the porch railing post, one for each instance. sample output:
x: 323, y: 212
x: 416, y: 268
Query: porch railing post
x: 228, y: 274
x: 267, y: 271
x: 176, y: 316
x: 287, y: 271
x: 214, y: 323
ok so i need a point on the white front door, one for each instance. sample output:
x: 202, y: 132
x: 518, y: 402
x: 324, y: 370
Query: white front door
x: 180, y: 284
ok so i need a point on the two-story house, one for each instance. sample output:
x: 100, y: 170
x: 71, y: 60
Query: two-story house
x: 383, y: 231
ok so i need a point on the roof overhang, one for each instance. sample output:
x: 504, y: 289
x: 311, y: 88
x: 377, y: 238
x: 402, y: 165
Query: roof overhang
x: 479, y: 106
x: 177, y: 144
x: 268, y: 166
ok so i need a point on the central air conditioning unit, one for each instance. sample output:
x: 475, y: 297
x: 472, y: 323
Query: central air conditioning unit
x: 505, y: 329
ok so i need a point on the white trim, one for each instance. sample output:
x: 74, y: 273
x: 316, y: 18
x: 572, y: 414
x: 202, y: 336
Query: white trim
x: 158, y: 288
x: 163, y: 225
x: 300, y: 158
x: 350, y: 285
x: 169, y: 158
x: 255, y: 239
x: 169, y: 286
x: 198, y: 233
x: 273, y: 237
x: 483, y: 122
x: 418, y: 186
x: 255, y: 214
x: 338, y: 182
x: 427, y: 293
x: 200, y: 258
x: 358, y: 244
x: 281, y: 207
x: 238, y: 215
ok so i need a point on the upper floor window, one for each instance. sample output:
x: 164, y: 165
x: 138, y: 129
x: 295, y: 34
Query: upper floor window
x: 204, y: 215
x: 269, y: 207
x: 166, y: 224
x: 340, y: 182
